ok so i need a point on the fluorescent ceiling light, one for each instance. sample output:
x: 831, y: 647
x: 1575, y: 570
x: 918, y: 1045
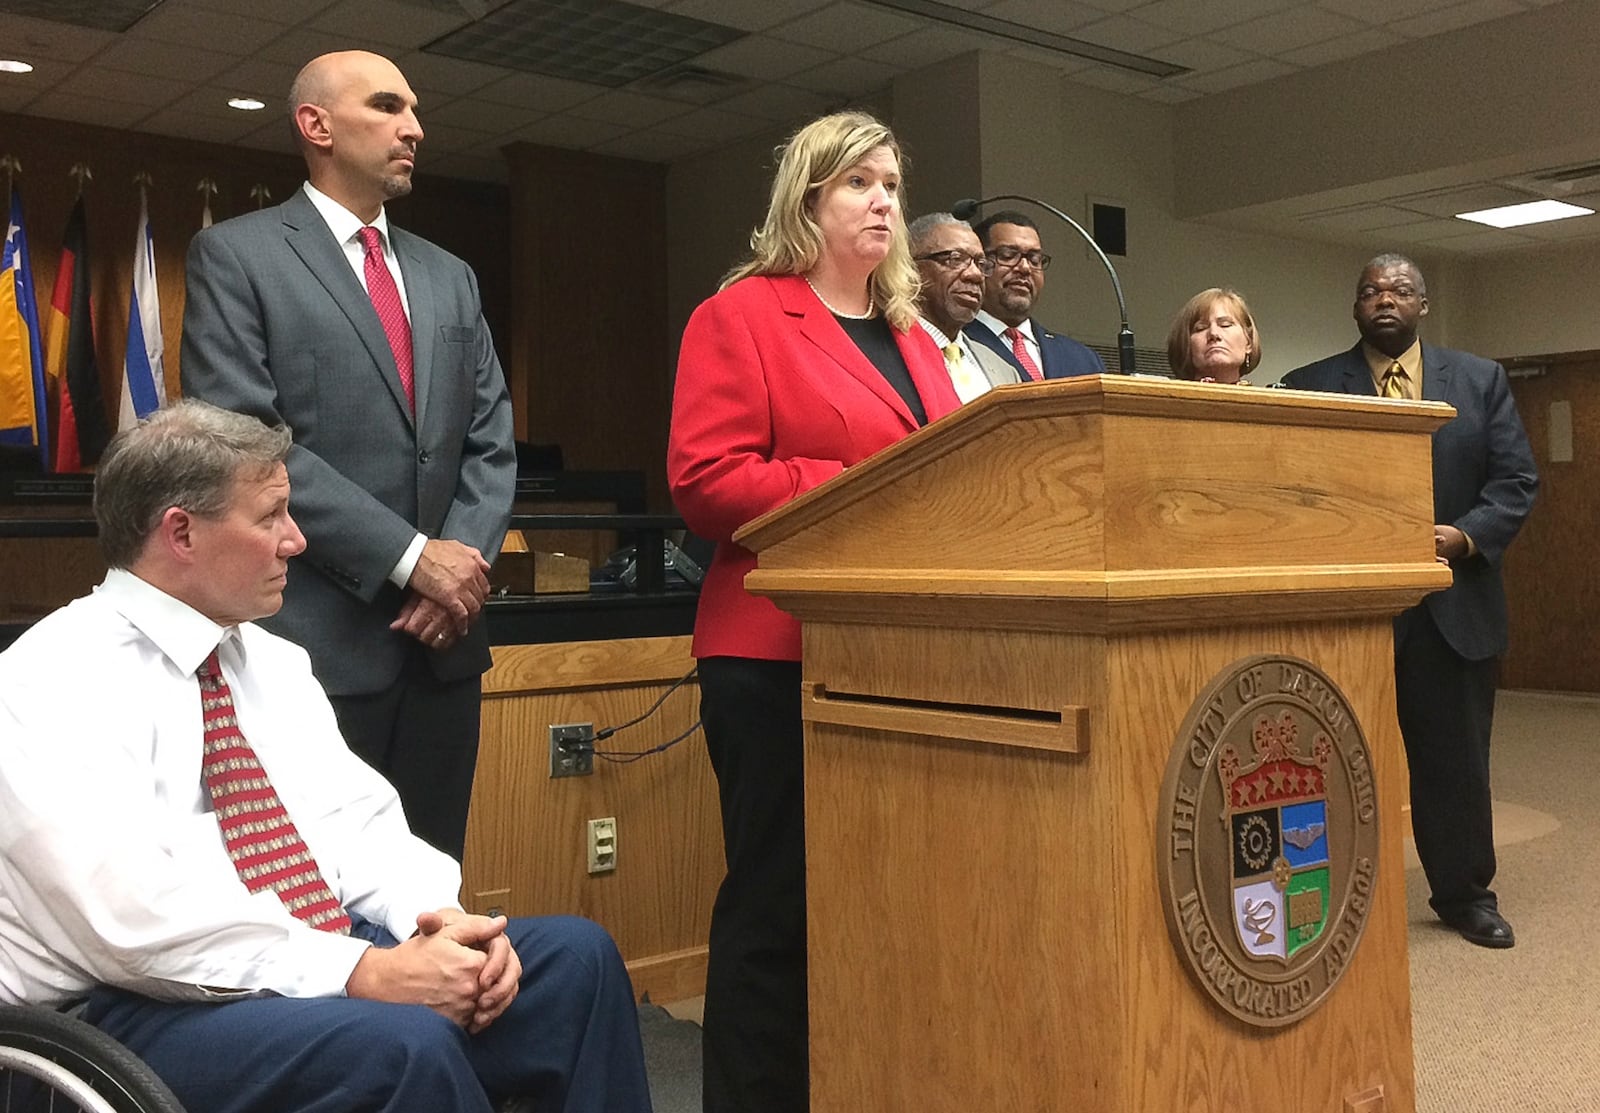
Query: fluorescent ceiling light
x: 1529, y: 212
x: 12, y: 65
x: 247, y: 104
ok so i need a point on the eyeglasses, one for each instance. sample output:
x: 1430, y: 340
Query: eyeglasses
x: 1010, y: 256
x: 1373, y: 293
x: 957, y: 261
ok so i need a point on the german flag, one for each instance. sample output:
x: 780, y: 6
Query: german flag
x: 83, y: 430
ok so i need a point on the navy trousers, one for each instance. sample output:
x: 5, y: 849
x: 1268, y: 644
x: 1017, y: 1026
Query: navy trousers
x: 569, y: 1042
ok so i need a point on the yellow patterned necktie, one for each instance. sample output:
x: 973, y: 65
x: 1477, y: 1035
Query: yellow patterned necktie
x: 952, y: 355
x: 1394, y: 381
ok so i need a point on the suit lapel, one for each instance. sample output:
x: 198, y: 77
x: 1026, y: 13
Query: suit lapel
x: 424, y: 330
x: 819, y: 327
x: 308, y: 237
x: 1436, y: 375
x: 1357, y: 375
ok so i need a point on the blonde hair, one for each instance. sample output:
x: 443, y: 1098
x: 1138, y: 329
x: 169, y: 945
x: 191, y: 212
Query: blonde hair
x: 1196, y: 309
x: 789, y: 240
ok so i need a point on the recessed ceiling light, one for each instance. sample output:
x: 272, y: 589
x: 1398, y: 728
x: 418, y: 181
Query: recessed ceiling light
x: 247, y: 104
x: 1529, y: 212
x: 13, y: 65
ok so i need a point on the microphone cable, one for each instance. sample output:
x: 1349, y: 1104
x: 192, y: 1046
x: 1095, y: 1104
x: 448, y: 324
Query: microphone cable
x: 624, y: 757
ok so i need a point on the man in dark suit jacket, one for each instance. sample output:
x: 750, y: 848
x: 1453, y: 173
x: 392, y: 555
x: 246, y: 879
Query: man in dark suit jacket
x: 1011, y: 239
x: 373, y: 350
x: 1446, y: 647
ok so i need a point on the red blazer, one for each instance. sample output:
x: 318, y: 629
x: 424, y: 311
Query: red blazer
x: 772, y: 398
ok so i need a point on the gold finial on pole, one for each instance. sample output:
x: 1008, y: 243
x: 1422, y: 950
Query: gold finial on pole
x: 84, y: 175
x: 261, y: 194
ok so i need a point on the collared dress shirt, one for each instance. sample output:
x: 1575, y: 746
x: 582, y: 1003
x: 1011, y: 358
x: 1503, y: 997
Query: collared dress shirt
x: 112, y: 867
x: 965, y: 373
x: 998, y: 327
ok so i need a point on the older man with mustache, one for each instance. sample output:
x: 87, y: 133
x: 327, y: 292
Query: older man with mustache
x: 1004, y: 325
x: 951, y: 263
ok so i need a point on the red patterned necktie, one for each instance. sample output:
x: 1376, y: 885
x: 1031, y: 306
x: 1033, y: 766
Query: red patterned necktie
x: 262, y: 840
x: 385, y: 297
x: 1019, y: 348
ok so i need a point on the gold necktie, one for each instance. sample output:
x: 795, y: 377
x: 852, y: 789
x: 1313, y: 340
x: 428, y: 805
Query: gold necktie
x: 1395, y: 380
x: 952, y: 355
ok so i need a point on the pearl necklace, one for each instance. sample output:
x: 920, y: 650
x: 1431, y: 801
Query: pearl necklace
x: 872, y: 305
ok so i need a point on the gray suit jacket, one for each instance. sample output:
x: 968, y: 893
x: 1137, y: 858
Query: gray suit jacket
x: 995, y: 369
x: 277, y: 325
x: 1484, y: 480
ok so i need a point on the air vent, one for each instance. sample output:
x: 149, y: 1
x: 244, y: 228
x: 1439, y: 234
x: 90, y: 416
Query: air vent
x: 1559, y: 181
x: 600, y: 42
x: 692, y: 84
x: 103, y: 15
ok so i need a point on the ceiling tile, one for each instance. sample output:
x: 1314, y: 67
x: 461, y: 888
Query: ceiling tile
x: 477, y: 115
x: 435, y: 73
x: 1115, y: 80
x: 1202, y: 54
x: 16, y: 90
x: 567, y: 131
x: 386, y: 22
x: 781, y: 103
x: 1383, y: 11
x: 1264, y: 69
x: 930, y: 45
x: 1361, y: 218
x: 846, y: 76
x: 1465, y: 199
x: 62, y: 105
x: 745, y: 15
x: 650, y: 146
x: 159, y: 59
x: 213, y: 104
x: 1449, y: 19
x: 1121, y: 32
x: 1275, y: 34
x: 138, y: 89
x: 282, y: 11
x: 1202, y: 17
x: 243, y: 34
x: 1169, y: 94
x: 33, y: 39
x: 189, y: 125
x: 1489, y: 239
x: 715, y: 124
x: 531, y: 90
x: 1061, y: 17
x: 298, y: 45
x: 1364, y: 41
x: 1574, y: 228
x: 631, y: 110
x: 850, y: 25
x: 268, y: 81
x: 762, y: 57
x: 1055, y: 59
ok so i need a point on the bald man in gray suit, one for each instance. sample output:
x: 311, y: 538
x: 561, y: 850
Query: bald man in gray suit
x: 370, y: 345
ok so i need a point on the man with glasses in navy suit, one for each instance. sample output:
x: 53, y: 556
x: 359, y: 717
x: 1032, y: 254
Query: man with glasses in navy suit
x: 1004, y: 325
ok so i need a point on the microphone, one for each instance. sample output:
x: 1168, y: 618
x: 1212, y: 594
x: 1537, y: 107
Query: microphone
x: 967, y: 208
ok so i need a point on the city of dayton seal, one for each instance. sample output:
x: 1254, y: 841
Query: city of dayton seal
x: 1267, y: 842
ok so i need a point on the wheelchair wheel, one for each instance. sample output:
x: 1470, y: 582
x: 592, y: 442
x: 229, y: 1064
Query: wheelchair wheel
x: 53, y: 1062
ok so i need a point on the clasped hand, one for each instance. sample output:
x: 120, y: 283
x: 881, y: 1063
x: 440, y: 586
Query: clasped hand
x: 459, y: 965
x: 446, y: 591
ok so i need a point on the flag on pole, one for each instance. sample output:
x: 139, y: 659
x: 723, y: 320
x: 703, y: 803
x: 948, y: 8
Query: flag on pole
x: 144, y: 380
x: 82, y: 429
x: 23, y: 422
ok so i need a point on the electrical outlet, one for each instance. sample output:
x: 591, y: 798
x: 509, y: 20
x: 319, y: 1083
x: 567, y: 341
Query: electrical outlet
x: 602, y: 845
x: 571, y: 749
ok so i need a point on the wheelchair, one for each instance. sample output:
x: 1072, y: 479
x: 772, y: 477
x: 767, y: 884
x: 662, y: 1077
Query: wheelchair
x: 54, y: 1063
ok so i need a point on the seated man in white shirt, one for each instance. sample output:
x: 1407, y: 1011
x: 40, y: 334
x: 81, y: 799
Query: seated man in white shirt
x: 311, y: 956
x: 952, y: 266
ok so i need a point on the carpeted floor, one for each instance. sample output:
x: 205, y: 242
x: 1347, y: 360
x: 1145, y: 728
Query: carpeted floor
x: 1515, y: 1030
x: 1493, y: 1031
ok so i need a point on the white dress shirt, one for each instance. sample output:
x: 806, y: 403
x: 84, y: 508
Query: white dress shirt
x: 965, y: 373
x: 998, y: 327
x: 346, y: 228
x: 112, y: 867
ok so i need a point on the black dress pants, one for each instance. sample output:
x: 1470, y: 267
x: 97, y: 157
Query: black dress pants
x: 1446, y: 706
x: 755, y: 1039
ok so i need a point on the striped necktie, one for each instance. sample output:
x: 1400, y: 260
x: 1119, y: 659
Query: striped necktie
x: 1395, y: 380
x: 1019, y: 348
x: 262, y: 840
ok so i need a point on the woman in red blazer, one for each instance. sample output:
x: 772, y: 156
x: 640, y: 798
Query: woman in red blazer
x: 807, y: 361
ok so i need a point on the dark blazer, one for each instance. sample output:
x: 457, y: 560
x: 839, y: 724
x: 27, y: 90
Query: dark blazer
x: 772, y: 399
x: 1484, y: 480
x: 1063, y: 356
x: 277, y: 325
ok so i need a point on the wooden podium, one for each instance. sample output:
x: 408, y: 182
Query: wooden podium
x: 1008, y: 619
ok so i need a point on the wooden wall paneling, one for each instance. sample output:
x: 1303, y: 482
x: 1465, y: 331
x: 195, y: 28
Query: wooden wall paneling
x: 1551, y: 589
x: 469, y: 218
x: 590, y: 336
x: 526, y: 832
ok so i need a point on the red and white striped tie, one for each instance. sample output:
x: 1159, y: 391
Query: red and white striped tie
x: 391, y: 311
x: 262, y: 840
x: 1019, y: 348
